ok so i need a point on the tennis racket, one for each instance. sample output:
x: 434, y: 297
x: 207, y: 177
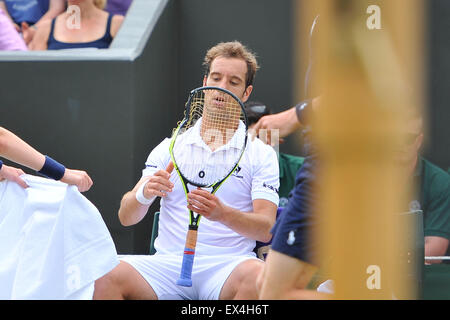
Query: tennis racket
x: 206, y: 148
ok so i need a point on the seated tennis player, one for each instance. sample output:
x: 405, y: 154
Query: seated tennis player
x: 15, y: 149
x: 233, y: 216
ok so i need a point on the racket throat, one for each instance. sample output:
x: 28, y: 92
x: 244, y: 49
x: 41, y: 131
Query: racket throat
x: 193, y: 227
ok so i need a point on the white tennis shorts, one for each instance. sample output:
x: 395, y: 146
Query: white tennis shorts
x: 209, y: 274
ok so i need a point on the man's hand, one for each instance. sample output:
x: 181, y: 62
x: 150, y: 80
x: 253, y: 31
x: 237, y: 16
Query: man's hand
x: 159, y: 184
x: 285, y: 123
x: 132, y: 210
x: 206, y: 204
x: 12, y: 174
x: 254, y: 225
x: 79, y: 178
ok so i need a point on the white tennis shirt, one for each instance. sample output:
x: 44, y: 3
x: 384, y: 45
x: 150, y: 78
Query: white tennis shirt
x: 257, y: 177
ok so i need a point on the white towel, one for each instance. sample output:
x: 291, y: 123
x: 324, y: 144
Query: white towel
x: 54, y: 243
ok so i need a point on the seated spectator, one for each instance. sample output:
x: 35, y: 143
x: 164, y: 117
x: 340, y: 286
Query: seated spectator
x: 28, y: 16
x: 96, y: 29
x: 9, y: 37
x: 432, y: 194
x: 118, y: 6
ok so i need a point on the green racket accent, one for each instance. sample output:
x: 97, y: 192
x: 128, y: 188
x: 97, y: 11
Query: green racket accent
x: 186, y: 191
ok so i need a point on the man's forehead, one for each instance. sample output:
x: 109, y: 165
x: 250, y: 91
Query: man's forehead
x: 230, y: 65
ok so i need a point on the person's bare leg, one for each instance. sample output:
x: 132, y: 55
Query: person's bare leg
x: 241, y: 284
x: 285, y: 277
x: 123, y: 282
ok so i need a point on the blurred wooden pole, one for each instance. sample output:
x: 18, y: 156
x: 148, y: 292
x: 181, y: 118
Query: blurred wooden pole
x: 369, y: 72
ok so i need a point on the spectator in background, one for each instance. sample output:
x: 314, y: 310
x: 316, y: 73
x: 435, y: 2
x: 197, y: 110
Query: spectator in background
x: 432, y: 184
x: 27, y: 16
x: 96, y: 29
x: 9, y: 37
x: 118, y: 6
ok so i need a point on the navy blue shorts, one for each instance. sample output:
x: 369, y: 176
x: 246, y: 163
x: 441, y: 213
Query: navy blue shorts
x: 293, y: 229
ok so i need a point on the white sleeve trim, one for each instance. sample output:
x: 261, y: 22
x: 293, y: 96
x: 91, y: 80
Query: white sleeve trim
x: 266, y: 196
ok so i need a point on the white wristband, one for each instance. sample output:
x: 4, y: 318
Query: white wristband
x: 140, y: 195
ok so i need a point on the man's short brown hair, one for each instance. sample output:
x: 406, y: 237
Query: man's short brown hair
x: 233, y: 49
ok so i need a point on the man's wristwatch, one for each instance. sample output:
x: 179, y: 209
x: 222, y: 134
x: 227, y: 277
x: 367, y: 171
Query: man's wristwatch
x: 303, y: 111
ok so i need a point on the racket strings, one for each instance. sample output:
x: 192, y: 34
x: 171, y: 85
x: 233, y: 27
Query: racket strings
x: 221, y: 117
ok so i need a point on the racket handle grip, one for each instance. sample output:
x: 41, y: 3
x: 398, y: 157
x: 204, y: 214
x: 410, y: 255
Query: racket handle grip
x: 188, y: 258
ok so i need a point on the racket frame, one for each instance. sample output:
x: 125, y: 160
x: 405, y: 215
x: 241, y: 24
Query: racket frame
x: 192, y: 220
x: 191, y: 237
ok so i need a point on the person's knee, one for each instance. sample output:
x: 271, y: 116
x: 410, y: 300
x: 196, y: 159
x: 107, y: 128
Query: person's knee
x: 250, y: 279
x: 108, y: 286
x: 253, y: 269
x: 259, y: 280
x: 241, y: 284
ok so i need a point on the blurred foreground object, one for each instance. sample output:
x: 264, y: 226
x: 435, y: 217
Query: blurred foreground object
x: 369, y: 73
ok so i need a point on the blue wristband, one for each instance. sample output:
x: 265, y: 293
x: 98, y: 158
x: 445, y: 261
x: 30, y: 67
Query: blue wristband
x: 1, y: 164
x: 52, y: 169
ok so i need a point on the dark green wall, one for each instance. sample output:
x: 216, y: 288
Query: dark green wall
x: 438, y: 141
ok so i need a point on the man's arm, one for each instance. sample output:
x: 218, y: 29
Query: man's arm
x: 288, y: 121
x: 435, y: 246
x: 254, y: 225
x: 132, y: 210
